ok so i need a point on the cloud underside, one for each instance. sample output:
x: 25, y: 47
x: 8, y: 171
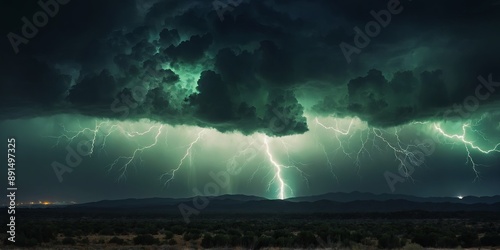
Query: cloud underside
x: 260, y: 69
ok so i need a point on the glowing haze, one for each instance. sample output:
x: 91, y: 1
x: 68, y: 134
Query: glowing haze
x: 154, y: 98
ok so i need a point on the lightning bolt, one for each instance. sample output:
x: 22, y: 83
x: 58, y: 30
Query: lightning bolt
x: 294, y: 163
x: 330, y: 164
x: 100, y: 133
x: 172, y: 172
x: 468, y: 144
x: 362, y: 150
x: 337, y: 132
x: 382, y: 140
x: 94, y: 136
x: 65, y: 135
x: 112, y: 129
x: 246, y: 154
x: 91, y: 134
x: 131, y: 159
x: 462, y: 138
x: 403, y: 154
x: 277, y: 175
x: 344, y: 148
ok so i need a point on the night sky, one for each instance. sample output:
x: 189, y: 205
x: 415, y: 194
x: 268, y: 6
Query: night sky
x: 282, y: 98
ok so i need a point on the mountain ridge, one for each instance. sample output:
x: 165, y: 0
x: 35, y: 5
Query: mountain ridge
x: 327, y: 203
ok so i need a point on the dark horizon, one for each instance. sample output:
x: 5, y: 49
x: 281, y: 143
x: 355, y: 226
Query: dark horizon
x: 61, y: 202
x: 274, y: 98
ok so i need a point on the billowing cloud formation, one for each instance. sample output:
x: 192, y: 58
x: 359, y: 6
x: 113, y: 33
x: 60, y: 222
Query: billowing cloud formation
x: 257, y: 70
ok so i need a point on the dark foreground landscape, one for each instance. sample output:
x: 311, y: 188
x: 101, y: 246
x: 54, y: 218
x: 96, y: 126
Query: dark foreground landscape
x: 331, y: 221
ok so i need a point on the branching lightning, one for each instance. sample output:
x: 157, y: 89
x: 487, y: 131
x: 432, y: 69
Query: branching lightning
x: 172, y: 172
x: 462, y: 138
x: 330, y: 164
x: 348, y: 134
x: 406, y: 154
x: 100, y: 134
x: 248, y: 153
x: 98, y: 137
x: 402, y: 153
x: 130, y: 159
x: 278, y: 175
x: 337, y: 132
x: 469, y: 144
x: 76, y: 134
x: 362, y: 150
x: 294, y: 163
x: 350, y: 140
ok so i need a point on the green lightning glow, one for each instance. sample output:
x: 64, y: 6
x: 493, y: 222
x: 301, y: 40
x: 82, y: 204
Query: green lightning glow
x: 138, y: 151
x: 273, y: 155
x: 188, y: 76
x: 246, y: 154
x: 107, y: 129
x: 403, y: 153
x: 462, y: 138
x: 66, y: 135
x: 468, y: 143
x: 277, y: 175
x: 354, y: 125
x: 171, y: 173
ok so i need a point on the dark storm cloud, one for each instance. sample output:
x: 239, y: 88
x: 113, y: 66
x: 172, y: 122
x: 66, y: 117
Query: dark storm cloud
x: 97, y: 89
x: 384, y: 102
x: 128, y: 60
x: 190, y: 51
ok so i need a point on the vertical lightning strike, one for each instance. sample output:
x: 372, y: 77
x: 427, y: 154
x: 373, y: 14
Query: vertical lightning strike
x: 247, y: 154
x: 330, y: 164
x: 362, y: 150
x: 172, y: 172
x: 94, y: 136
x: 277, y: 176
x: 294, y: 163
x: 91, y: 138
x: 66, y: 137
x: 112, y: 129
